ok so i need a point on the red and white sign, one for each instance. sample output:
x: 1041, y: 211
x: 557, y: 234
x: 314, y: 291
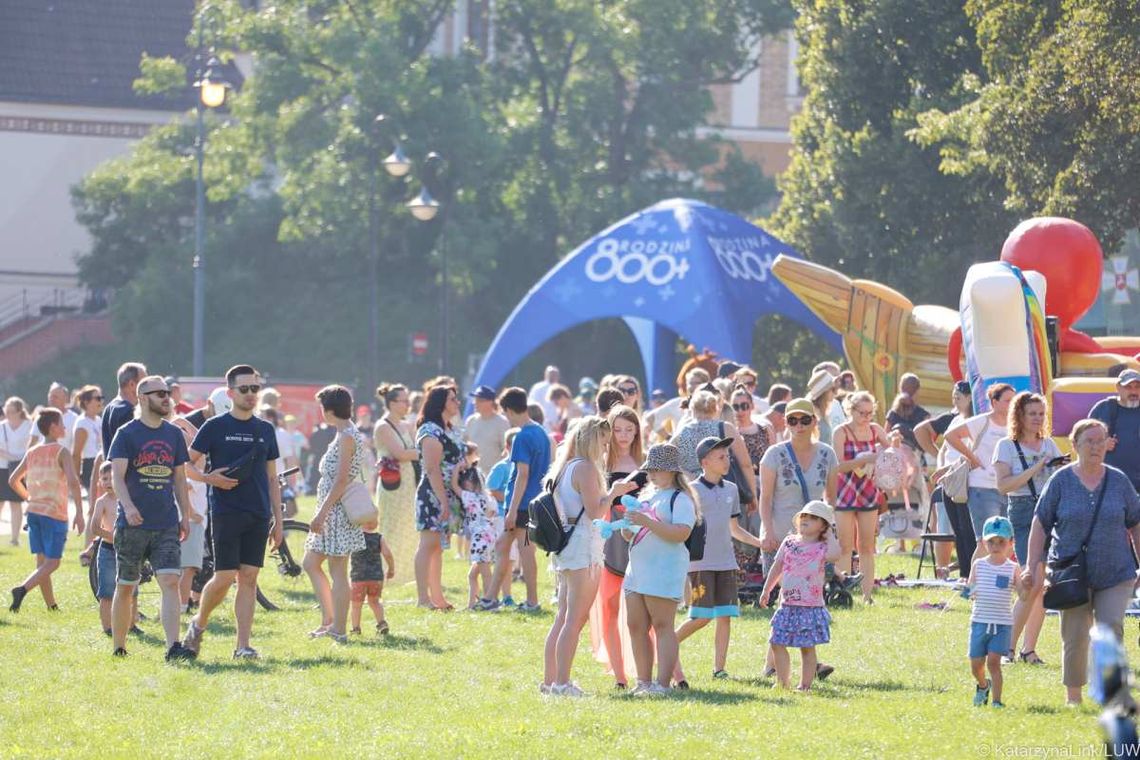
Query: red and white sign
x: 419, y: 344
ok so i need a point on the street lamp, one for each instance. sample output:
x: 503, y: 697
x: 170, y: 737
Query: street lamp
x: 425, y: 208
x: 212, y: 86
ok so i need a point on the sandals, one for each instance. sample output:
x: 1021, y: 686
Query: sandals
x: 1031, y: 658
x: 382, y: 628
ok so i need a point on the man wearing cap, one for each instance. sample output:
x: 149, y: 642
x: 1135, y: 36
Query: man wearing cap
x: 1122, y: 416
x: 180, y: 406
x: 486, y: 428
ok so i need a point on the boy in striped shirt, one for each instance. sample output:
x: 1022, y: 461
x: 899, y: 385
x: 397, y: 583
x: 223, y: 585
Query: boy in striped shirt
x: 993, y: 580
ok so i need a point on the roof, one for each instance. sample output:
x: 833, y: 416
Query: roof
x: 78, y: 52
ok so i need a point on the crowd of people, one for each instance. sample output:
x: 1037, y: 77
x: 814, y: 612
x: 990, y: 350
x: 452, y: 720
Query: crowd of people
x: 667, y: 502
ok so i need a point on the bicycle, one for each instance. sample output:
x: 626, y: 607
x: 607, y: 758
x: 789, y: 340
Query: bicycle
x: 287, y: 584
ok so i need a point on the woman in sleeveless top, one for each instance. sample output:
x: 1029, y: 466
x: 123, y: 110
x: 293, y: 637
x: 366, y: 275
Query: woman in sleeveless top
x: 856, y: 442
x: 609, y: 636
x: 757, y: 438
x: 15, y: 432
x: 435, y: 502
x: 395, y: 443
x: 705, y: 406
x: 332, y: 536
x: 580, y: 500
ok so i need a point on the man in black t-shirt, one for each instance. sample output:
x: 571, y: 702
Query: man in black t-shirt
x: 117, y: 413
x: 245, y: 504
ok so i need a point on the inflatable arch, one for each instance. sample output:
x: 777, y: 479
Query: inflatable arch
x: 680, y: 268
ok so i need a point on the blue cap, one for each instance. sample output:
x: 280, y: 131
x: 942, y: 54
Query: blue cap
x: 483, y: 392
x: 997, y: 526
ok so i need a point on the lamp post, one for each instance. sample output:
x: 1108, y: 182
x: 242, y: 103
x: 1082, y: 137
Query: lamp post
x: 212, y: 86
x: 397, y: 165
x: 425, y: 208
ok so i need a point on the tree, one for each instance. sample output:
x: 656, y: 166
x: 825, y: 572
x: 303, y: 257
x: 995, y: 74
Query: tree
x: 1055, y: 114
x: 860, y: 195
x: 581, y: 113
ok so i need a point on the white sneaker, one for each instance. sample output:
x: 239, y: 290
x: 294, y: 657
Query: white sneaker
x: 543, y: 688
x: 566, y: 690
x: 656, y: 689
x: 643, y: 689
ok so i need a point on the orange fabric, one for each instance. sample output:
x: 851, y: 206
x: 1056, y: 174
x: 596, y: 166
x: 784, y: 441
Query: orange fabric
x: 610, y: 585
x: 46, y: 482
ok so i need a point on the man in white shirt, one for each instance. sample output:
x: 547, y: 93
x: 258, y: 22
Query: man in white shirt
x: 487, y: 429
x: 59, y: 398
x: 538, y: 392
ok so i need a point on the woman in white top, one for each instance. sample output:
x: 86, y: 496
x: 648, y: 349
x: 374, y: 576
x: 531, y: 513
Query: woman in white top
x: 87, y: 434
x: 577, y: 469
x: 1023, y: 463
x: 15, y: 431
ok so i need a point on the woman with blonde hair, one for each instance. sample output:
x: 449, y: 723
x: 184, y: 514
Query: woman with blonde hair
x: 398, y: 459
x: 576, y: 474
x: 705, y: 406
x: 15, y: 434
x: 857, y: 443
x: 608, y: 637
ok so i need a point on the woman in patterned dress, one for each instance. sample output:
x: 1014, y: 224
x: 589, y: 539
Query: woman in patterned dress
x: 394, y: 440
x: 440, y: 453
x: 857, y: 443
x: 332, y: 536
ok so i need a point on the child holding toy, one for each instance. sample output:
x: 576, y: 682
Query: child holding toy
x: 713, y: 577
x: 658, y: 562
x: 479, y: 513
x: 802, y: 620
x: 992, y: 581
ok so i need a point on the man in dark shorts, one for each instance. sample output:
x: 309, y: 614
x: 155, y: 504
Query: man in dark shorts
x: 148, y: 457
x: 245, y: 504
x: 530, y: 459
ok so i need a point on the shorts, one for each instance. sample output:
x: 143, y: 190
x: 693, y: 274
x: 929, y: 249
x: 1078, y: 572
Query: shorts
x: 105, y: 571
x: 714, y: 594
x: 584, y: 550
x: 6, y: 492
x: 240, y: 539
x: 366, y: 591
x: 194, y: 546
x: 1021, y: 517
x: 46, y: 536
x: 983, y: 504
x: 989, y: 638
x: 133, y: 545
x: 85, y: 469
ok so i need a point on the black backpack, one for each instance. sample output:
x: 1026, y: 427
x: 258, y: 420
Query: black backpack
x: 544, y: 526
x: 695, y: 543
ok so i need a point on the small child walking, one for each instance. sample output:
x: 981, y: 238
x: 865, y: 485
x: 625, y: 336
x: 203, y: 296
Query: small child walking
x: 43, y: 479
x: 101, y: 529
x: 497, y: 480
x: 993, y: 579
x: 368, y: 568
x: 802, y: 621
x: 479, y: 513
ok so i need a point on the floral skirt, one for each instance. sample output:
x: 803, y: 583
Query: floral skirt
x: 799, y: 627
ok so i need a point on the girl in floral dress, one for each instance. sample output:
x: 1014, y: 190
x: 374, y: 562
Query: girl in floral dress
x: 479, y: 513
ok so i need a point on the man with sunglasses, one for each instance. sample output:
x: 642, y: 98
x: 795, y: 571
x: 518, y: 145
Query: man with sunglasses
x: 148, y: 457
x: 245, y: 504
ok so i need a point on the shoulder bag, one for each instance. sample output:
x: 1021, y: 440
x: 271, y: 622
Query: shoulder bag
x: 956, y: 481
x: 389, y: 467
x: 1066, y: 580
x: 357, y: 502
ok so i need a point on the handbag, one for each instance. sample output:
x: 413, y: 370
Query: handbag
x: 1066, y: 580
x: 358, y: 504
x: 389, y: 467
x: 736, y: 474
x: 956, y: 481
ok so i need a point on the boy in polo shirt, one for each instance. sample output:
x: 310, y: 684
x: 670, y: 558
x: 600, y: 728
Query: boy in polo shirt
x: 713, y: 577
x: 530, y: 459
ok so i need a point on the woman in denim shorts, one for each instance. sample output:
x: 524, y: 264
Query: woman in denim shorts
x: 1022, y: 465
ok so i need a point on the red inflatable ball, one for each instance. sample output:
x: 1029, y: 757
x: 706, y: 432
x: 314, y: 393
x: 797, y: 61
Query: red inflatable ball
x: 1068, y: 255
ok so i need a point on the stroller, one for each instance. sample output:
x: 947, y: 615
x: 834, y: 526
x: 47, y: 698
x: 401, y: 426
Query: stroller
x: 749, y: 591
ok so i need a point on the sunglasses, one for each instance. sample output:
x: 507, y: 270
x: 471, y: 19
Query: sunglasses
x: 742, y: 407
x: 800, y: 420
x: 244, y: 389
x: 749, y: 383
x: 95, y: 398
x: 160, y: 394
x: 628, y: 390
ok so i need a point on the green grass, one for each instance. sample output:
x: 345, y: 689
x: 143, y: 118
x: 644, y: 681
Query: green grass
x: 465, y: 685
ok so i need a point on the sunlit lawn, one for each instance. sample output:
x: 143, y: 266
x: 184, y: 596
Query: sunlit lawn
x: 465, y: 684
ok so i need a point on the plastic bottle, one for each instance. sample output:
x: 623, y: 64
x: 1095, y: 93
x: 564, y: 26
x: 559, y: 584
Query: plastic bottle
x: 1108, y: 664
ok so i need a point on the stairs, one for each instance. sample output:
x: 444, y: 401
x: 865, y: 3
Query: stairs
x: 32, y: 340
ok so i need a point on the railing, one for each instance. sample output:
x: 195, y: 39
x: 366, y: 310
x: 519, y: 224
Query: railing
x: 29, y: 304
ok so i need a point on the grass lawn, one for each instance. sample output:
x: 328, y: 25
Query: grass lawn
x: 465, y: 685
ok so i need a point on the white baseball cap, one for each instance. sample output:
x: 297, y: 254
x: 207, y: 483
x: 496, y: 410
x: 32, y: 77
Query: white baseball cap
x: 221, y: 401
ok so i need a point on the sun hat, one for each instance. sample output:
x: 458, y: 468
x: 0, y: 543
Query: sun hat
x: 820, y: 383
x: 997, y: 526
x: 820, y: 509
x: 708, y: 444
x: 663, y: 456
x: 801, y: 405
x: 221, y: 400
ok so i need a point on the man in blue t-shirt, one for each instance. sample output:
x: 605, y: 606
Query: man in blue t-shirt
x: 530, y: 459
x: 1122, y: 416
x: 148, y: 457
x: 245, y: 504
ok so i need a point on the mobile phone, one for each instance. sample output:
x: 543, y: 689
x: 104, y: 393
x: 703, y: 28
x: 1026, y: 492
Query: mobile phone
x: 640, y: 477
x: 1058, y: 461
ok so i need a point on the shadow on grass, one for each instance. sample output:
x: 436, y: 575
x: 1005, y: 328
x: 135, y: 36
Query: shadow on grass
x: 232, y: 666
x: 727, y: 698
x: 403, y: 643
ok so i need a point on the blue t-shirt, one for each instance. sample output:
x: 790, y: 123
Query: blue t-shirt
x: 497, y: 481
x: 116, y: 414
x: 1126, y: 456
x: 152, y: 455
x: 531, y: 447
x: 244, y: 446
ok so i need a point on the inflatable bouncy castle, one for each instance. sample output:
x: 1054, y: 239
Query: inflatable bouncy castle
x: 1014, y: 324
